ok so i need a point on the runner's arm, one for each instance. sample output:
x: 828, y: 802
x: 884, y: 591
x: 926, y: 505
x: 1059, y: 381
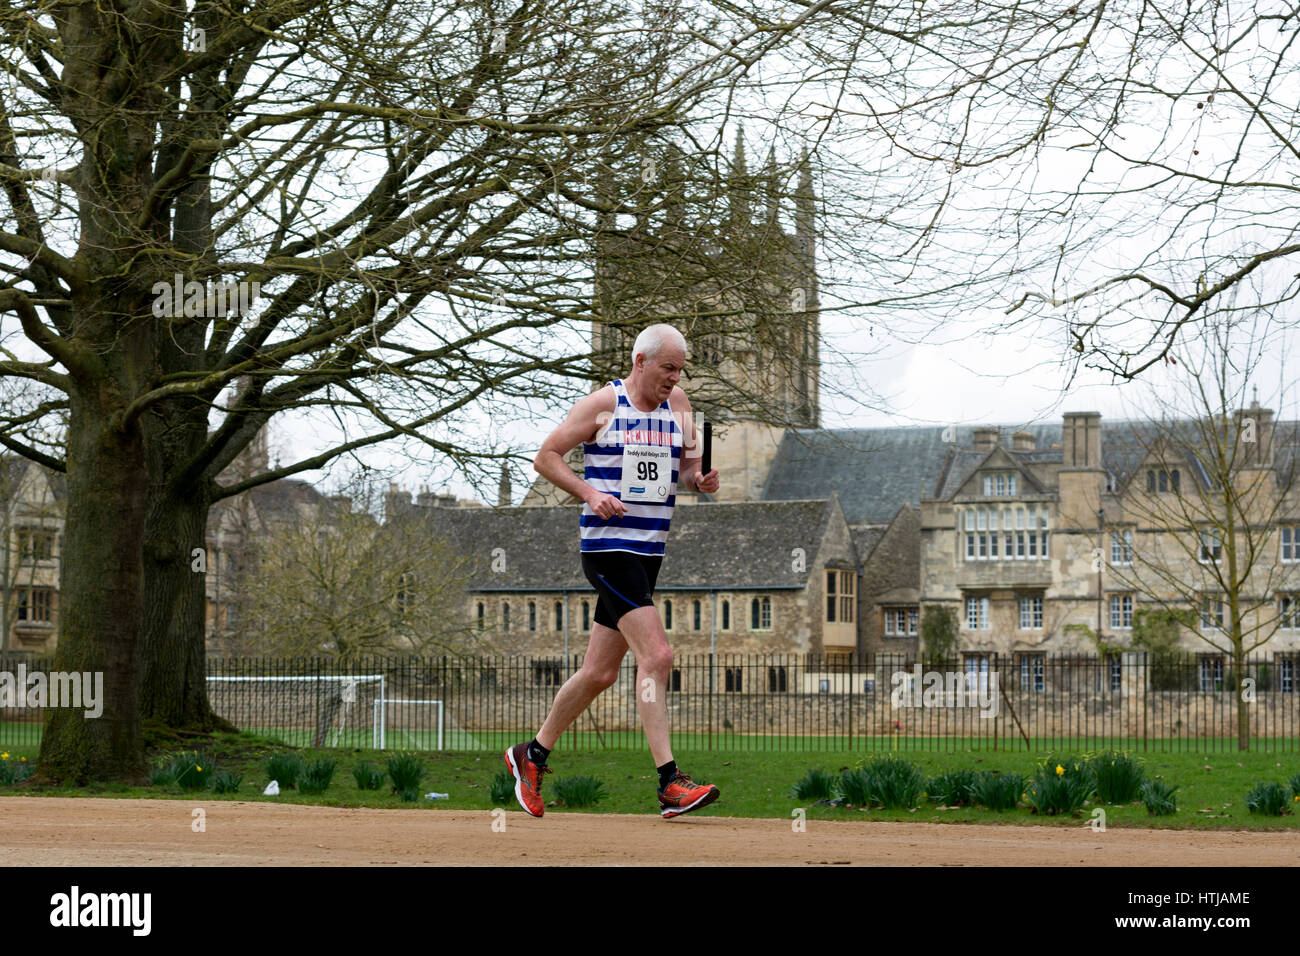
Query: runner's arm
x: 692, y: 448
x: 582, y: 424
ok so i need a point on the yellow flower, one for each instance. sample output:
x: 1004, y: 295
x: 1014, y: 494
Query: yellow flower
x: 23, y: 759
x: 1059, y: 770
x: 196, y: 767
x: 4, y: 756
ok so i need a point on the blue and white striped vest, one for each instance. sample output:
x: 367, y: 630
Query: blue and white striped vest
x: 644, y: 529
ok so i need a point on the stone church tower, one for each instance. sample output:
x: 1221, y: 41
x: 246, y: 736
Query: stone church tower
x: 743, y: 290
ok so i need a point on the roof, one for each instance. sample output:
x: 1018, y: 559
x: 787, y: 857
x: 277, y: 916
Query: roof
x: 875, y: 471
x: 865, y: 538
x: 721, y: 546
x: 14, y: 467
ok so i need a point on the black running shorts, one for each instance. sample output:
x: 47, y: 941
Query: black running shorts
x: 624, y: 581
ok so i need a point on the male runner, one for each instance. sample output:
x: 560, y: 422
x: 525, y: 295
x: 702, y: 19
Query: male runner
x: 632, y: 432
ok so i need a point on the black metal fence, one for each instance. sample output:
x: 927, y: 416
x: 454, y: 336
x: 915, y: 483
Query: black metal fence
x: 758, y: 702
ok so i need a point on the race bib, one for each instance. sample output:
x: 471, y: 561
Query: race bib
x: 647, y: 473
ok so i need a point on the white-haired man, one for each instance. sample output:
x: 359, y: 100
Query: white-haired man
x: 639, y: 442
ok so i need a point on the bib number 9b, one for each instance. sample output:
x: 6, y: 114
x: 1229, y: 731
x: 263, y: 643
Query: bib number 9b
x: 647, y: 473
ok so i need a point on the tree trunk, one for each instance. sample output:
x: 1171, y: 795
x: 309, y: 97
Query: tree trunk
x: 100, y: 596
x: 174, y: 686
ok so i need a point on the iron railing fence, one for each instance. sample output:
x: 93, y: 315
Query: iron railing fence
x: 1133, y: 701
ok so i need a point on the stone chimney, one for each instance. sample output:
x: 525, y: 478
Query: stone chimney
x: 1023, y: 441
x: 986, y: 439
x: 1081, y: 440
x: 503, y: 488
x: 396, y: 502
x: 1255, y: 435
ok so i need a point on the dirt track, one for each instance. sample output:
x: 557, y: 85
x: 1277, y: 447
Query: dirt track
x: 97, y: 832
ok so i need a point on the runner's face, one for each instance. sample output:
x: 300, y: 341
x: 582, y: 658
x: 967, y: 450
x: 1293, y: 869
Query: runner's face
x: 664, y: 371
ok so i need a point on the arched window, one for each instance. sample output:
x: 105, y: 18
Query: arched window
x: 765, y: 618
x: 776, y: 680
x: 481, y: 611
x: 726, y: 615
x: 505, y: 615
x: 695, y: 618
x: 586, y: 616
x: 668, y: 615
x: 532, y: 615
x: 732, y: 680
x: 559, y: 615
x: 753, y: 614
x: 676, y: 681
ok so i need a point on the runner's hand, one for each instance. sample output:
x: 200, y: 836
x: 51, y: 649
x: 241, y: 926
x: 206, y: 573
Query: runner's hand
x: 606, y: 506
x: 709, y: 483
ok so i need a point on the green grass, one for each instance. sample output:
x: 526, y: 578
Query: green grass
x: 16, y: 736
x: 753, y: 784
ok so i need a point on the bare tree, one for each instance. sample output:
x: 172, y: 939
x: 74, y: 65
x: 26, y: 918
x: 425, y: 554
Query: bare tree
x: 387, y: 212
x: 1197, y: 523
x: 335, y: 583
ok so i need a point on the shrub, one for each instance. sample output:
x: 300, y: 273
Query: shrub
x: 854, y: 788
x: 954, y: 789
x: 409, y: 795
x: 1270, y: 799
x: 1294, y: 784
x: 884, y: 782
x: 998, y: 791
x: 192, y: 771
x: 161, y: 776
x: 1118, y: 777
x: 1061, y: 785
x: 285, y: 768
x: 895, y: 784
x: 317, y: 776
x: 816, y: 784
x: 579, y: 791
x: 14, y: 771
x: 368, y: 777
x: 407, y: 770
x: 1158, y: 798
x: 502, y: 789
x: 226, y: 782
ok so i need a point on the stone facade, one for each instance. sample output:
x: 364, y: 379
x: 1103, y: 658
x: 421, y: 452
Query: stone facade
x: 31, y: 528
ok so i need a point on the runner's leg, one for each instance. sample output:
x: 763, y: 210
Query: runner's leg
x: 599, y: 670
x: 644, y: 633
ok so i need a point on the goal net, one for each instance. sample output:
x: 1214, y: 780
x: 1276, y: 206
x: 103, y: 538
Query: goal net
x: 315, y: 711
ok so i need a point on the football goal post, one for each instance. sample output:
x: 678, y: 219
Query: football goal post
x: 320, y: 711
x: 411, y: 720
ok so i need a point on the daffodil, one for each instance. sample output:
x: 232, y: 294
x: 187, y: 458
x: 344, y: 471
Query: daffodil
x: 4, y: 756
x: 1060, y: 771
x: 196, y: 767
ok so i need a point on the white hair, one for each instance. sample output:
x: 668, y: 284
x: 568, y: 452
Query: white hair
x: 654, y: 338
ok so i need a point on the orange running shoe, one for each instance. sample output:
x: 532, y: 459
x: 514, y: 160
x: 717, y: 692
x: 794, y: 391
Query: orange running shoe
x: 682, y: 796
x: 528, y: 779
